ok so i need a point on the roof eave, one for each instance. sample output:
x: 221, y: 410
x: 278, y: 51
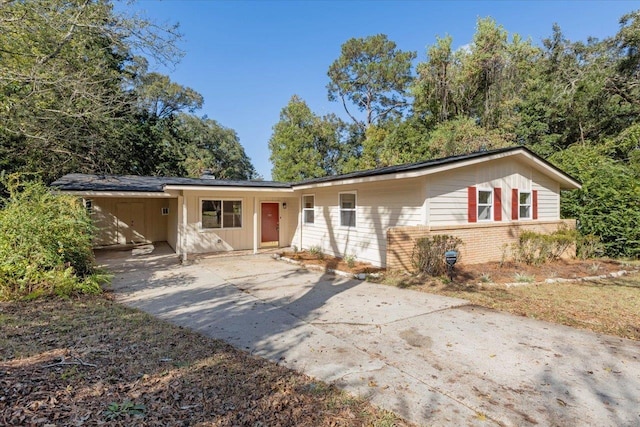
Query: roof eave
x: 235, y: 188
x: 114, y: 193
x: 566, y: 181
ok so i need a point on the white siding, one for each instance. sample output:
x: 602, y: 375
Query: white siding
x: 448, y: 194
x: 172, y: 224
x: 105, y: 218
x: 199, y: 240
x: 548, y: 196
x: 378, y: 206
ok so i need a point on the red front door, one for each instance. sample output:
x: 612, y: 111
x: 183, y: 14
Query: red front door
x: 270, y: 222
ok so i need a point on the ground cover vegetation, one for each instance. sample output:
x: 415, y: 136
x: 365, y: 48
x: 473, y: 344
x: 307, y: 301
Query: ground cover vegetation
x: 608, y: 305
x: 45, y: 243
x: 91, y: 361
x: 575, y: 103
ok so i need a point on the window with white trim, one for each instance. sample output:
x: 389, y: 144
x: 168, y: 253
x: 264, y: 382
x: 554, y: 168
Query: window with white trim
x: 308, y: 209
x: 221, y: 213
x: 485, y: 205
x: 524, y: 199
x: 348, y: 209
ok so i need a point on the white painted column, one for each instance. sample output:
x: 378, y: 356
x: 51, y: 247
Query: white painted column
x: 184, y: 228
x: 255, y: 225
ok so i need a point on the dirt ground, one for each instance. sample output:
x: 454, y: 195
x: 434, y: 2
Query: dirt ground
x: 493, y: 272
x: 331, y: 263
x: 91, y: 361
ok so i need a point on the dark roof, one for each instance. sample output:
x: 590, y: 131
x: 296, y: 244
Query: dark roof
x: 426, y: 165
x: 82, y: 182
x: 153, y: 184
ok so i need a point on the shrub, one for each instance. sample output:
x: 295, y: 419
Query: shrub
x: 45, y: 243
x: 536, y: 248
x: 589, y: 246
x: 350, y: 260
x: 316, y: 251
x: 428, y: 253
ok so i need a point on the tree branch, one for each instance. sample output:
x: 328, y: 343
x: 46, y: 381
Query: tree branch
x: 77, y: 361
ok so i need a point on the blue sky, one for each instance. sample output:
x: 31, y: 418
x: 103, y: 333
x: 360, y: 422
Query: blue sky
x: 248, y: 58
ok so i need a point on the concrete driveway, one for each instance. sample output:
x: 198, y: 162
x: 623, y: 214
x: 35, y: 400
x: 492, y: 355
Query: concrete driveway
x: 432, y: 360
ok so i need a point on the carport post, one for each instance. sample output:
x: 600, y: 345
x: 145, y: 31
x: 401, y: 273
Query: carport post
x: 255, y: 225
x: 183, y: 234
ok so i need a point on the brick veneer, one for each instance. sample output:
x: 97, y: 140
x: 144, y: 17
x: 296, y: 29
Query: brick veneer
x: 482, y: 242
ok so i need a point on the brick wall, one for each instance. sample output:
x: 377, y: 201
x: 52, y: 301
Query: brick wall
x: 482, y: 242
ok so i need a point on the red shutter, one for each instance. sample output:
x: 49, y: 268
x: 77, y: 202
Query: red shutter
x: 473, y: 205
x: 534, y: 194
x: 497, y: 204
x: 515, y: 204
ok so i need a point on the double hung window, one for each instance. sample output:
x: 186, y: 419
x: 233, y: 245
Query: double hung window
x: 308, y: 209
x: 485, y: 205
x: 348, y: 209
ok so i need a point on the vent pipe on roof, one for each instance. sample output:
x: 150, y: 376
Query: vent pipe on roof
x: 207, y: 174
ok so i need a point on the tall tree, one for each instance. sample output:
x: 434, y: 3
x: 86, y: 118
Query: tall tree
x: 304, y: 145
x: 208, y: 146
x: 372, y: 74
x: 482, y: 81
x: 63, y: 68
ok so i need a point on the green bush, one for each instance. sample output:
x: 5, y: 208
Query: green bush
x: 608, y: 205
x: 45, y: 243
x: 589, y: 246
x: 428, y: 253
x: 536, y: 248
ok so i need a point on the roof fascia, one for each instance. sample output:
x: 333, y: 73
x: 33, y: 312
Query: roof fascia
x: 227, y: 188
x: 93, y: 193
x: 565, y: 181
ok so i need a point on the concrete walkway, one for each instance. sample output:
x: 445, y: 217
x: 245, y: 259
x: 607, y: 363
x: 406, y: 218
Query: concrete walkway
x: 432, y: 360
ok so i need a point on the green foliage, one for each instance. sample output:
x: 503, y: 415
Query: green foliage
x: 75, y: 98
x: 537, y: 248
x: 372, y: 74
x: 116, y: 410
x: 304, y: 145
x: 45, y: 244
x: 589, y: 247
x: 316, y: 251
x: 428, y: 253
x: 523, y: 278
x: 462, y: 136
x: 350, y: 260
x: 608, y: 204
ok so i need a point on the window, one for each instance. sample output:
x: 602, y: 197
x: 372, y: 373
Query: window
x: 485, y: 203
x: 308, y: 209
x: 348, y: 209
x: 221, y: 213
x: 165, y: 211
x: 525, y: 205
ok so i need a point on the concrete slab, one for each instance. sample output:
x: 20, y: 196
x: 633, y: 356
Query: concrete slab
x: 432, y: 360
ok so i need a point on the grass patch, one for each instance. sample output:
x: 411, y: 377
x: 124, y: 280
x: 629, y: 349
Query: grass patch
x: 610, y: 306
x: 93, y: 361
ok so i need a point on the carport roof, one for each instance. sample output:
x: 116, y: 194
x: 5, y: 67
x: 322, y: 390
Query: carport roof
x: 149, y: 184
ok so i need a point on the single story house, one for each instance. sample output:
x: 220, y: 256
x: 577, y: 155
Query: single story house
x: 486, y: 198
